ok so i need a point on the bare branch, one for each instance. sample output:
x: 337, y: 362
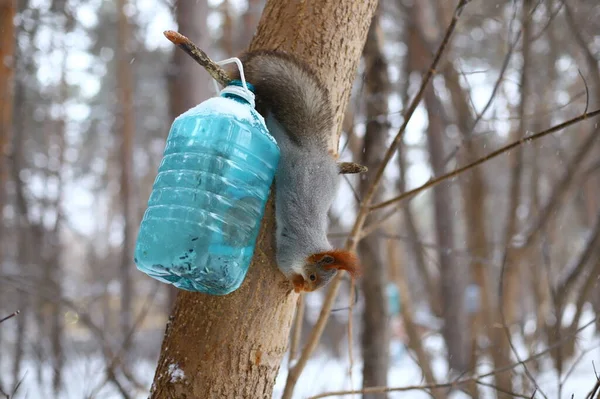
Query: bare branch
x: 494, y: 154
x: 199, y: 56
x: 297, y: 330
x: 503, y: 69
x: 577, y: 361
x: 561, y: 188
x: 574, y: 271
x: 10, y: 316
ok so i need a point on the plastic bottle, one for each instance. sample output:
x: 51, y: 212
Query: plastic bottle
x: 204, y: 213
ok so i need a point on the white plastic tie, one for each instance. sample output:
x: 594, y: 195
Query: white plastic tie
x: 247, y: 92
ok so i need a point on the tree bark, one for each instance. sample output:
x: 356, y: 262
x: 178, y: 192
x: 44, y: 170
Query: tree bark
x: 375, y: 334
x: 187, y: 87
x: 232, y: 346
x: 125, y: 130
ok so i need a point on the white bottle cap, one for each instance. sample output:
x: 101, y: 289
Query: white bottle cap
x: 241, y: 92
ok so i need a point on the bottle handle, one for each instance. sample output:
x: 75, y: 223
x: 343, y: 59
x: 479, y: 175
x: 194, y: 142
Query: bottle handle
x: 241, y: 69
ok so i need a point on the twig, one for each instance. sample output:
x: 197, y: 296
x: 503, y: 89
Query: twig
x: 497, y: 388
x: 561, y: 188
x: 494, y: 154
x: 18, y: 384
x: 575, y: 270
x: 548, y: 23
x: 576, y: 362
x: 350, y: 335
x: 507, y: 331
x: 459, y: 382
x: 10, y: 316
x: 199, y: 56
x: 595, y: 389
x: 462, y: 252
x: 352, y: 241
x: 503, y: 69
x: 587, y: 91
x: 116, y: 358
x: 21, y: 285
x: 297, y: 332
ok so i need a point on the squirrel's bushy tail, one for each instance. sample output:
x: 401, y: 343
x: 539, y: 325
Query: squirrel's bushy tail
x: 289, y: 89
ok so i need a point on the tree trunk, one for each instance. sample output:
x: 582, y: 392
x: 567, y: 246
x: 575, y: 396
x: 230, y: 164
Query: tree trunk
x: 413, y: 245
x: 452, y: 276
x: 501, y: 352
x: 7, y: 56
x: 250, y: 20
x: 375, y: 336
x: 54, y: 242
x: 232, y: 346
x: 474, y: 196
x: 7, y: 53
x: 187, y: 85
x: 125, y: 130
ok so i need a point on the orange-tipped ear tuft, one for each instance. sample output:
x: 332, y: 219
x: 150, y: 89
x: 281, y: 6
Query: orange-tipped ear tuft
x: 342, y: 260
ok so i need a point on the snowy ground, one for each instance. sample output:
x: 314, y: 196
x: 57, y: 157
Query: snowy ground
x: 85, y: 373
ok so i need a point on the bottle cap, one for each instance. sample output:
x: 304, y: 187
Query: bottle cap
x: 235, y: 87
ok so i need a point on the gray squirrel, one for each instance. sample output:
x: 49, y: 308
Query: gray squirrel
x: 299, y: 115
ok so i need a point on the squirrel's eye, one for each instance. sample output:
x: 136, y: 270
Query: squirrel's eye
x: 312, y: 277
x: 327, y: 259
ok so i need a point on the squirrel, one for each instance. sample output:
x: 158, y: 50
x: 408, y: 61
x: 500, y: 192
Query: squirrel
x: 299, y: 115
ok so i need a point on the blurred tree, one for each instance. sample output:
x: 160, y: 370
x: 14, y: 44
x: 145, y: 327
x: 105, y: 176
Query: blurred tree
x: 452, y: 282
x: 188, y: 83
x: 125, y: 131
x: 375, y: 332
x: 7, y: 55
x: 242, y: 362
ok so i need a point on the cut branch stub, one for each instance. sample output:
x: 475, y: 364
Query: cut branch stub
x: 347, y: 168
x: 199, y: 56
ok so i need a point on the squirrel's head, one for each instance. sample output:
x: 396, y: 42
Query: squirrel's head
x: 321, y: 267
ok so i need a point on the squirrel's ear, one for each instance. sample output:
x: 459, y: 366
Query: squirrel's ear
x: 346, y: 168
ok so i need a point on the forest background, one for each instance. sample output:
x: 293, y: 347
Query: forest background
x: 496, y: 266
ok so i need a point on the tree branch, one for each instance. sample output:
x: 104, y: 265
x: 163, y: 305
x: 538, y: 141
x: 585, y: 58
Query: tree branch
x: 494, y: 154
x: 10, y: 316
x: 214, y: 70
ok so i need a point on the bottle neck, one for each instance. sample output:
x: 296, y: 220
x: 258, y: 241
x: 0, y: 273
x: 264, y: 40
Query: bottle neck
x: 239, y: 94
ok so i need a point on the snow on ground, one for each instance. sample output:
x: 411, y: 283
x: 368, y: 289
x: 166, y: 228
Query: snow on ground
x: 85, y: 373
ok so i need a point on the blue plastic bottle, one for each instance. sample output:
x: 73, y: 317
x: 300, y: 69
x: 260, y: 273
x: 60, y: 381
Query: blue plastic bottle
x: 204, y: 213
